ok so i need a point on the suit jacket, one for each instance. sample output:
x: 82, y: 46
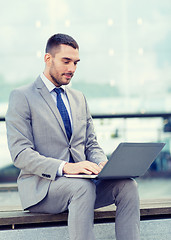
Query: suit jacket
x: 37, y: 138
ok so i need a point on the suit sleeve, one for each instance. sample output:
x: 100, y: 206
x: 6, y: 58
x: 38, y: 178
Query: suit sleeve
x: 93, y: 151
x: 21, y: 140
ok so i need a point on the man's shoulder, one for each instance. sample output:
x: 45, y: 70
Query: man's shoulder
x: 25, y: 88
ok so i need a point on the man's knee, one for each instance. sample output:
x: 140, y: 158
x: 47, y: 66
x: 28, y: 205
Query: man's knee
x: 131, y: 188
x: 128, y: 190
x: 84, y: 188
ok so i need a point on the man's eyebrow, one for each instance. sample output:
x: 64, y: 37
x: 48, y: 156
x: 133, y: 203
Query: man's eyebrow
x: 69, y: 59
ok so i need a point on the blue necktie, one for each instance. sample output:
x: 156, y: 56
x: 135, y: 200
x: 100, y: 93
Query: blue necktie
x: 64, y: 114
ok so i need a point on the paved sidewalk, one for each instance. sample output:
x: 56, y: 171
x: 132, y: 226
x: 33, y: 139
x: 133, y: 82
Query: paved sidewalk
x: 150, y: 230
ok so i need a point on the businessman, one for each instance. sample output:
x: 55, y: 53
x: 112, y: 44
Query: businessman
x: 50, y: 133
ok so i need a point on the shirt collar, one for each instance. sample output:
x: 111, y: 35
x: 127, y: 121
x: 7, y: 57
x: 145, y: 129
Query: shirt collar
x: 50, y: 86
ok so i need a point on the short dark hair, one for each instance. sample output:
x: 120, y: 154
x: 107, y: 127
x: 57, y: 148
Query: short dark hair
x: 58, y: 39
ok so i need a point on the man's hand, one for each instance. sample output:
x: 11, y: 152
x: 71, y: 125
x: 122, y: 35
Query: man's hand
x: 102, y: 164
x: 85, y: 167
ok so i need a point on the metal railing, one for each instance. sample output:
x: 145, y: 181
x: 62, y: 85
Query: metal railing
x: 125, y: 115
x: 133, y: 115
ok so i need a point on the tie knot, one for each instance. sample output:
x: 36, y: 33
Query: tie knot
x: 58, y: 90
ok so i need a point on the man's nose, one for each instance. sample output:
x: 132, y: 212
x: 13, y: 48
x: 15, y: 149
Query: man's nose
x: 71, y: 67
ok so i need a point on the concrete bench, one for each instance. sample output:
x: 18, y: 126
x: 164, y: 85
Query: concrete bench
x: 15, y: 218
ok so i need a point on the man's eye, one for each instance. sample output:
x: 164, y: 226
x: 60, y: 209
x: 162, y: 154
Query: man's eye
x: 66, y: 62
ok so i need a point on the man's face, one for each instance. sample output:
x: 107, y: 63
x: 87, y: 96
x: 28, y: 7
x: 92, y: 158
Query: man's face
x: 61, y: 65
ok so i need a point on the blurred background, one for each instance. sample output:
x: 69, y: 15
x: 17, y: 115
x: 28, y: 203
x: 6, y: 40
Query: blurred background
x: 125, y: 71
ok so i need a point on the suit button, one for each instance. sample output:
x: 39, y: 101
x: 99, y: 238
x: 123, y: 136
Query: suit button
x: 69, y: 146
x: 46, y: 175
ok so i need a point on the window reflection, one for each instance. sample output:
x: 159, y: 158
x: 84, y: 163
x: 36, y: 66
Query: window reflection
x: 129, y: 45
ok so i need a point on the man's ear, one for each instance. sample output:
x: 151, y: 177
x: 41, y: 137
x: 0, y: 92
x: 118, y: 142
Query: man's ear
x: 48, y: 58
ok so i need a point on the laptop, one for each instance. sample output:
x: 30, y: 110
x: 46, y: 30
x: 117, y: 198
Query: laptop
x: 129, y: 160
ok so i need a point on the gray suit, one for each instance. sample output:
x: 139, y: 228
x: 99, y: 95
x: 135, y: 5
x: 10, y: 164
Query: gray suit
x: 38, y: 143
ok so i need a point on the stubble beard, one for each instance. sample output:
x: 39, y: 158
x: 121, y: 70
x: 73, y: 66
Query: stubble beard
x: 55, y: 80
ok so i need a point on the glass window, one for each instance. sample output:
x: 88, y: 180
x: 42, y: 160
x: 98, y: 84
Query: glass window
x: 125, y: 63
x: 124, y: 49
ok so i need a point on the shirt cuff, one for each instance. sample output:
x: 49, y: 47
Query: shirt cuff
x: 60, y: 169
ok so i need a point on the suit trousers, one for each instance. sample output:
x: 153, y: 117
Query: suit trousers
x: 81, y: 196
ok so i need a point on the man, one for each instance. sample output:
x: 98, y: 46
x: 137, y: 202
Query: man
x: 45, y: 145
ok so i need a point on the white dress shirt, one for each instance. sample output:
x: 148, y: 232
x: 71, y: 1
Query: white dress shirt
x: 50, y: 86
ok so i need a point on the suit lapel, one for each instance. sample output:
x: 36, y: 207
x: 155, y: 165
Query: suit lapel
x: 73, y: 108
x: 42, y: 89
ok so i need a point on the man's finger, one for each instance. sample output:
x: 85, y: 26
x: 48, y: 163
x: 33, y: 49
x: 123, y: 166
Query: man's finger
x: 93, y: 167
